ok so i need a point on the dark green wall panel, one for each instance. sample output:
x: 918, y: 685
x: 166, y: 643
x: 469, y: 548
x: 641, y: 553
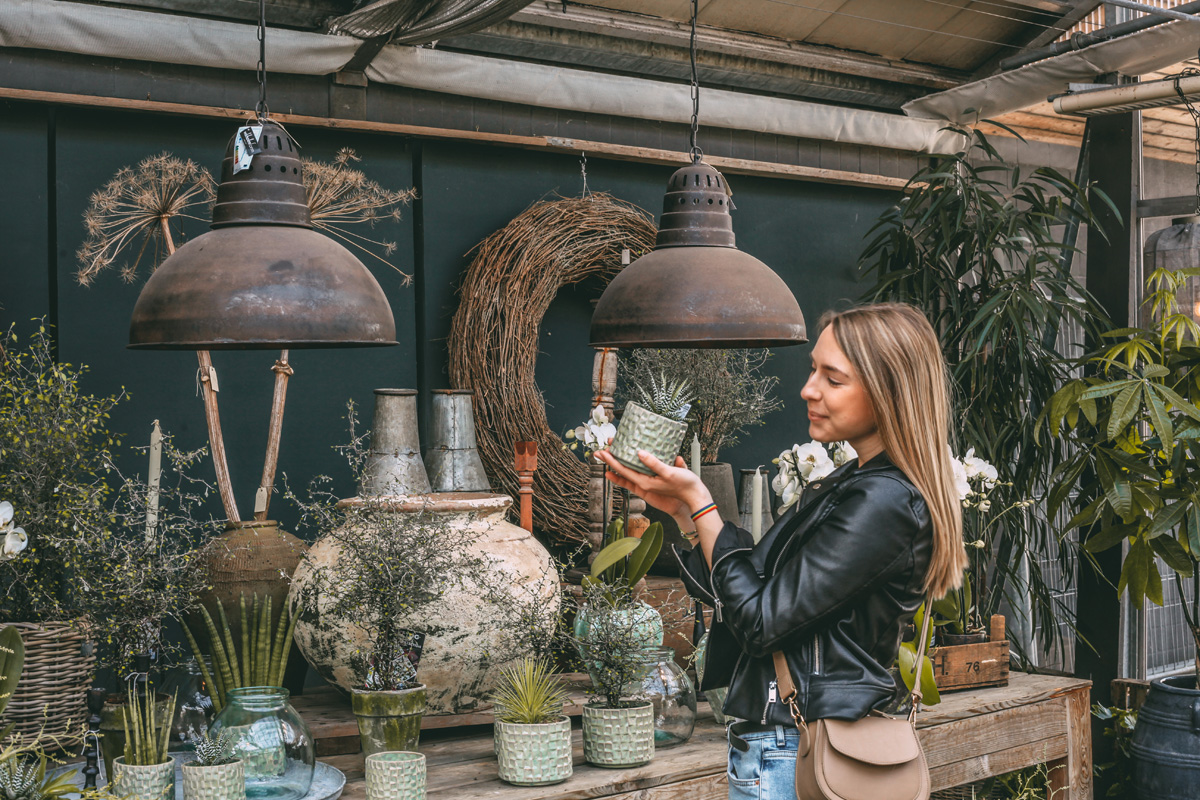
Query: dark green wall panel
x: 24, y: 214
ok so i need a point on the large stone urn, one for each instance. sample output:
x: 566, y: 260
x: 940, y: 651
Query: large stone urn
x: 460, y: 665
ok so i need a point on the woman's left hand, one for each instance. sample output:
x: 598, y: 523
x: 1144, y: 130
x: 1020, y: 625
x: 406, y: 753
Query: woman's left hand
x: 675, y: 490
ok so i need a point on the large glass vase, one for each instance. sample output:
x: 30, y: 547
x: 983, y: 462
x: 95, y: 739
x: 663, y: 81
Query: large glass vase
x: 668, y: 687
x: 272, y: 741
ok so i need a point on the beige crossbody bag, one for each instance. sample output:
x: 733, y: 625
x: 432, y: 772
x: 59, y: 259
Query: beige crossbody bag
x: 875, y: 758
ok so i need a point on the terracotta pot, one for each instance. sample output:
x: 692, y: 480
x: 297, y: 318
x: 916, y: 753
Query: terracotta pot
x: 252, y: 557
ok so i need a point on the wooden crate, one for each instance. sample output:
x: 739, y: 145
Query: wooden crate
x: 972, y: 666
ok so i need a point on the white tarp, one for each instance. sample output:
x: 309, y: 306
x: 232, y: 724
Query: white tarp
x: 168, y: 38
x: 590, y: 92
x: 1134, y: 54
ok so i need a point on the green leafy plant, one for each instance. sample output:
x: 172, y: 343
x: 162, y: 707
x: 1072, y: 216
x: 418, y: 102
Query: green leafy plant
x: 214, y: 751
x: 147, y: 724
x: 1134, y: 423
x: 977, y: 245
x: 528, y: 694
x: 1119, y: 772
x: 26, y: 779
x: 624, y: 560
x: 613, y: 642
x: 266, y: 643
x: 729, y: 391
x: 908, y: 663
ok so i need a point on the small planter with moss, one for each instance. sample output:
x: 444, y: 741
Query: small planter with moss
x: 533, y: 737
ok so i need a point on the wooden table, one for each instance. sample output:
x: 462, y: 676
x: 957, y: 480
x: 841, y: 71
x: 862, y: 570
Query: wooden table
x: 967, y: 737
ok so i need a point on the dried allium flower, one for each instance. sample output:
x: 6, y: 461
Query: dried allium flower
x: 136, y: 207
x: 339, y: 197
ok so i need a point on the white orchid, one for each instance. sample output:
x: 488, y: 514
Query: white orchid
x: 595, y: 433
x: 812, y: 461
x: 977, y: 468
x: 798, y: 467
x: 961, y: 483
x: 843, y: 453
x: 14, y: 539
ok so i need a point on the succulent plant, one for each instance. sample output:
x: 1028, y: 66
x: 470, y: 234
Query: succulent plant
x: 19, y: 780
x: 214, y: 751
x: 666, y: 398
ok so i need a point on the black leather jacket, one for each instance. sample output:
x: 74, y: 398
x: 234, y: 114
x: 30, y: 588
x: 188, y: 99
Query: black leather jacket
x: 832, y: 584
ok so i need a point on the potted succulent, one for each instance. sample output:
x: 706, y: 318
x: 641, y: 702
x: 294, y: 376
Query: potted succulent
x: 533, y: 736
x: 617, y: 733
x: 655, y: 422
x: 145, y: 772
x: 215, y: 774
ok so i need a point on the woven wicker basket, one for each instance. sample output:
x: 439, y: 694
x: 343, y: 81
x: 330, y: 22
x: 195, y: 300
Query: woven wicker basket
x: 49, y: 703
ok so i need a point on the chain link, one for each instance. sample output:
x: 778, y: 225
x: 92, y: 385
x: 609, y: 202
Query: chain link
x: 261, y: 108
x: 1191, y: 109
x: 697, y: 153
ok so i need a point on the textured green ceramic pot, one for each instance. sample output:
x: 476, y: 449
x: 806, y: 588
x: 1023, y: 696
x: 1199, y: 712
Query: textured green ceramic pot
x: 641, y: 429
x: 220, y: 782
x: 389, y: 721
x: 155, y: 782
x: 534, y: 755
x: 616, y: 738
x: 395, y: 776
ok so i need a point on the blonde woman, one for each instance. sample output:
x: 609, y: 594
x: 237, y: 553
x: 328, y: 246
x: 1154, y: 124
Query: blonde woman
x: 836, y: 579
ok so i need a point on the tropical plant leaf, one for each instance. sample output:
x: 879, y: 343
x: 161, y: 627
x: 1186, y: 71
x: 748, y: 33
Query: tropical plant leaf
x: 1167, y: 520
x: 613, y: 554
x: 646, y: 553
x: 1171, y: 551
x: 1111, y: 536
x: 1125, y: 406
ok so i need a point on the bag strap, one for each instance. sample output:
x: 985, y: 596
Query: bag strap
x: 787, y: 687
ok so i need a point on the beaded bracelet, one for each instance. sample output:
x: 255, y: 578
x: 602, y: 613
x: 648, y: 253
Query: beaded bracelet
x: 698, y: 514
x: 690, y: 536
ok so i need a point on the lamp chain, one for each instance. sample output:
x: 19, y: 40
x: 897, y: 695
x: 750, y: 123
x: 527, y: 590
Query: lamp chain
x: 261, y: 108
x: 1191, y: 109
x: 697, y: 153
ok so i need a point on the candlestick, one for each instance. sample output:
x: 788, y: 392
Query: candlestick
x: 695, y: 454
x: 153, y: 481
x: 756, y: 506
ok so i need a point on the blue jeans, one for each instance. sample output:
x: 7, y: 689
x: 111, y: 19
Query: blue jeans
x: 767, y: 771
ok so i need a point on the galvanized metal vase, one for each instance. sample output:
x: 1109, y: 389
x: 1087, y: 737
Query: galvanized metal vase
x: 220, y: 782
x: 389, y: 721
x: 155, y: 782
x: 616, y: 738
x: 452, y: 460
x: 395, y: 776
x: 394, y: 466
x: 533, y: 755
x: 641, y: 429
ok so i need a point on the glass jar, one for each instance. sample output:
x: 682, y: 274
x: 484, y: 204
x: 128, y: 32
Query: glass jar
x: 668, y: 687
x: 272, y: 741
x: 194, y: 708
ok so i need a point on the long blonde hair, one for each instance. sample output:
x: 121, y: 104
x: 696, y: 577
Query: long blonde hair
x: 893, y: 348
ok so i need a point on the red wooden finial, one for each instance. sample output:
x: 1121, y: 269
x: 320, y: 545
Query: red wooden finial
x: 526, y: 464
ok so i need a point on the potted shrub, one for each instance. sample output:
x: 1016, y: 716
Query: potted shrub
x: 215, y: 774
x: 533, y: 736
x: 145, y: 772
x: 617, y: 732
x: 1134, y: 423
x: 391, y: 703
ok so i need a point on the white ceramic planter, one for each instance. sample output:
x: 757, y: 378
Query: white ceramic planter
x: 616, y: 738
x: 534, y: 755
x: 155, y: 782
x: 395, y: 775
x: 221, y: 782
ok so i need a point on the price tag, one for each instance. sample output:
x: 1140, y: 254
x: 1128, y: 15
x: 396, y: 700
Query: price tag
x: 212, y: 379
x: 260, y: 499
x: 246, y: 147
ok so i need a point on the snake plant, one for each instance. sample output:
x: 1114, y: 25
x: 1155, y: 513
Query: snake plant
x: 266, y: 643
x: 147, y: 728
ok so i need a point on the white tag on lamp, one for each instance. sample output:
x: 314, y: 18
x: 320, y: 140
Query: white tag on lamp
x: 246, y: 146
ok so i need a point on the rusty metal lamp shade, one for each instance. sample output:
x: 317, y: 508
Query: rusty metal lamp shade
x: 262, y: 278
x: 1176, y: 248
x: 696, y: 289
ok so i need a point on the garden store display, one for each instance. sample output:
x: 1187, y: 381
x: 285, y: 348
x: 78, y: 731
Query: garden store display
x: 482, y: 590
x: 532, y: 735
x: 506, y: 291
x: 216, y: 774
x: 145, y: 771
x: 271, y: 740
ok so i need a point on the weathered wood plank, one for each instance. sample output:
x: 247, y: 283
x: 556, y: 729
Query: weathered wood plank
x: 969, y: 666
x: 985, y: 766
x: 995, y: 732
x: 710, y: 787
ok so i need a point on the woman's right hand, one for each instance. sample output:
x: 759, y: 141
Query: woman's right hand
x: 674, y: 490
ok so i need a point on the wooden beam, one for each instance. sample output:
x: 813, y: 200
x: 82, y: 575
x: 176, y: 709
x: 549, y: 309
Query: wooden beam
x: 553, y: 144
x: 1167, y: 207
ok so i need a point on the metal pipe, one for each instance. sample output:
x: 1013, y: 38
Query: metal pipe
x: 1081, y: 40
x: 1169, y: 13
x: 1128, y: 97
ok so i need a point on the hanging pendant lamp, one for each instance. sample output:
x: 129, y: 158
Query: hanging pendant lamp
x: 262, y: 278
x: 696, y: 289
